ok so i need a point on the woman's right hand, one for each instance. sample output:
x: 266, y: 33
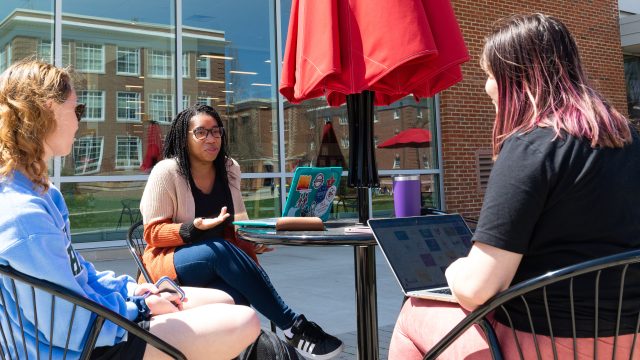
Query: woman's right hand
x: 209, y: 223
x: 163, y: 303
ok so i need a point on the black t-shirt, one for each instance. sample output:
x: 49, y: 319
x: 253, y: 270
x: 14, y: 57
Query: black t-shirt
x: 558, y: 201
x: 209, y: 205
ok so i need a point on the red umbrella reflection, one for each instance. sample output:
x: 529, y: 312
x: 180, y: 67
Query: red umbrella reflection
x: 329, y: 153
x: 154, y: 144
x: 415, y: 138
x: 410, y: 138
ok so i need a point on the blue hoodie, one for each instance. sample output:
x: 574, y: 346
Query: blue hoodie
x: 35, y: 240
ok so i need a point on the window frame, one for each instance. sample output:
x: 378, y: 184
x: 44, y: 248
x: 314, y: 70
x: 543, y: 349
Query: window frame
x: 89, y: 108
x: 130, y: 162
x: 127, y: 51
x: 99, y: 159
x: 81, y: 48
x: 137, y: 110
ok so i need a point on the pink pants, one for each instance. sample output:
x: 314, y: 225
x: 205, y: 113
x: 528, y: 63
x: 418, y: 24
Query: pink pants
x: 422, y: 323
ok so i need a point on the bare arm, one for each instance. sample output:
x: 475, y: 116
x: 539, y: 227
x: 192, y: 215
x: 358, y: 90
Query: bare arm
x: 483, y: 273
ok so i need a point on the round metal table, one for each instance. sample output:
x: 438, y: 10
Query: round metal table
x: 365, y: 269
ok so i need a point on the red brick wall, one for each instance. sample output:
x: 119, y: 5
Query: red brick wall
x: 466, y: 111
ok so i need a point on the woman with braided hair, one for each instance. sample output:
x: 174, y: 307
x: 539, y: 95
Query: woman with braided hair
x: 188, y: 206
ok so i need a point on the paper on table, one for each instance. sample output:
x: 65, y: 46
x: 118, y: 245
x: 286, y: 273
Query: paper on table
x: 358, y: 229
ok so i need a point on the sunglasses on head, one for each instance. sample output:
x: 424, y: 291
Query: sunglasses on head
x: 80, y: 110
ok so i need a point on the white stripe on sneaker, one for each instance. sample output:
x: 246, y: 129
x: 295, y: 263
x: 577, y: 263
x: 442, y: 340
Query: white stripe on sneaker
x: 311, y: 347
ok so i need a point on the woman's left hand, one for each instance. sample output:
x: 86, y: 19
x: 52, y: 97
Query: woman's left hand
x: 209, y: 223
x: 145, y: 288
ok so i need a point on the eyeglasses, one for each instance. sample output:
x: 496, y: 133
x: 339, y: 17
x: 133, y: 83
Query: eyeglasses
x: 80, y: 110
x: 201, y: 133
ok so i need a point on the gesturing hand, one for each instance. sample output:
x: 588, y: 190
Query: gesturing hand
x: 208, y: 223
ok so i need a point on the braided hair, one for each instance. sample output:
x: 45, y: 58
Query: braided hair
x: 175, y: 144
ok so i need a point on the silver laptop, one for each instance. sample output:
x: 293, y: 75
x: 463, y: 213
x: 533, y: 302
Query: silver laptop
x: 419, y: 249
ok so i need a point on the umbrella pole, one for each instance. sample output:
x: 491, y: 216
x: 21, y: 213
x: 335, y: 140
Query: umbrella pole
x: 363, y: 174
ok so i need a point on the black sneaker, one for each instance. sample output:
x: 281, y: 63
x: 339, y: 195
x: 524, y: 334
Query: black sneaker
x: 312, y: 342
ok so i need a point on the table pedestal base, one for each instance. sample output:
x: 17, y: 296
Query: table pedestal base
x: 366, y: 302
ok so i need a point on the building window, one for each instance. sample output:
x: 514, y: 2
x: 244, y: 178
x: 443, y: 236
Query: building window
x: 87, y: 154
x: 44, y: 51
x: 128, y: 61
x: 203, y: 68
x: 205, y: 100
x: 396, y: 114
x: 90, y: 58
x: 186, y: 99
x: 94, y: 99
x: 128, y: 106
x: 312, y: 124
x: 632, y: 79
x: 375, y: 141
x: 128, y: 152
x: 396, y: 162
x: 161, y: 108
x: 344, y: 142
x: 66, y: 53
x: 312, y: 145
x: 160, y: 64
x: 375, y: 117
x: 343, y: 120
x: 419, y: 115
x: 185, y: 66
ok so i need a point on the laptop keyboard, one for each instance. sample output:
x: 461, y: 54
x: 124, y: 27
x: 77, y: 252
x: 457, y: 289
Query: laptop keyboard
x: 445, y: 291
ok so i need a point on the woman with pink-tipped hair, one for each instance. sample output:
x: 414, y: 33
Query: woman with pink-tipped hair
x: 563, y: 189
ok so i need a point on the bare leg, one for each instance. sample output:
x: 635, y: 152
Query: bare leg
x: 212, y: 331
x: 201, y: 296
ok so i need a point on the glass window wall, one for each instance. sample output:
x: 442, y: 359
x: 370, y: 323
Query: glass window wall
x: 126, y: 73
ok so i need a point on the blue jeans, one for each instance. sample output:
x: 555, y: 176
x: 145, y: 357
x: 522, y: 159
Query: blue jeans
x: 218, y: 264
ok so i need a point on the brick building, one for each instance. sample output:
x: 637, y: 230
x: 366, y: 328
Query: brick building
x: 466, y: 112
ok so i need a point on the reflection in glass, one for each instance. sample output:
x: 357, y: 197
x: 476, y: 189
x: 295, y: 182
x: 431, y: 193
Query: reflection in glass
x: 101, y: 211
x: 304, y: 124
x: 125, y: 75
x: 632, y: 79
x: 26, y: 30
x: 261, y: 197
x: 229, y: 64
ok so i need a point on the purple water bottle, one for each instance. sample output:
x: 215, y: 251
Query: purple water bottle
x: 406, y: 195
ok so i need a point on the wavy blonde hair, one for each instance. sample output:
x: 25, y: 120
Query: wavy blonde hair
x: 26, y: 119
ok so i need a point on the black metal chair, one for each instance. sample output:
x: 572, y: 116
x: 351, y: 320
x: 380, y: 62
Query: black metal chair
x: 135, y: 240
x: 610, y: 270
x: 12, y: 338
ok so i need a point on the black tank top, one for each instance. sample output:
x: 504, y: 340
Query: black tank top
x: 209, y: 205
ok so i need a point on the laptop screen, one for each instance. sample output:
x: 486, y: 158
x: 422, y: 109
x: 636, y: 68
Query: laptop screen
x: 419, y: 249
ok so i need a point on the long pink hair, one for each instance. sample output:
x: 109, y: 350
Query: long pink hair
x: 535, y: 62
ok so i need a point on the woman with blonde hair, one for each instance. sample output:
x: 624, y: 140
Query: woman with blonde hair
x: 563, y: 189
x: 39, y: 117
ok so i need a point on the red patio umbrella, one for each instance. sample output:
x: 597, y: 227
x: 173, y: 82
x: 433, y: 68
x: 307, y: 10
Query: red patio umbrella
x: 366, y: 52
